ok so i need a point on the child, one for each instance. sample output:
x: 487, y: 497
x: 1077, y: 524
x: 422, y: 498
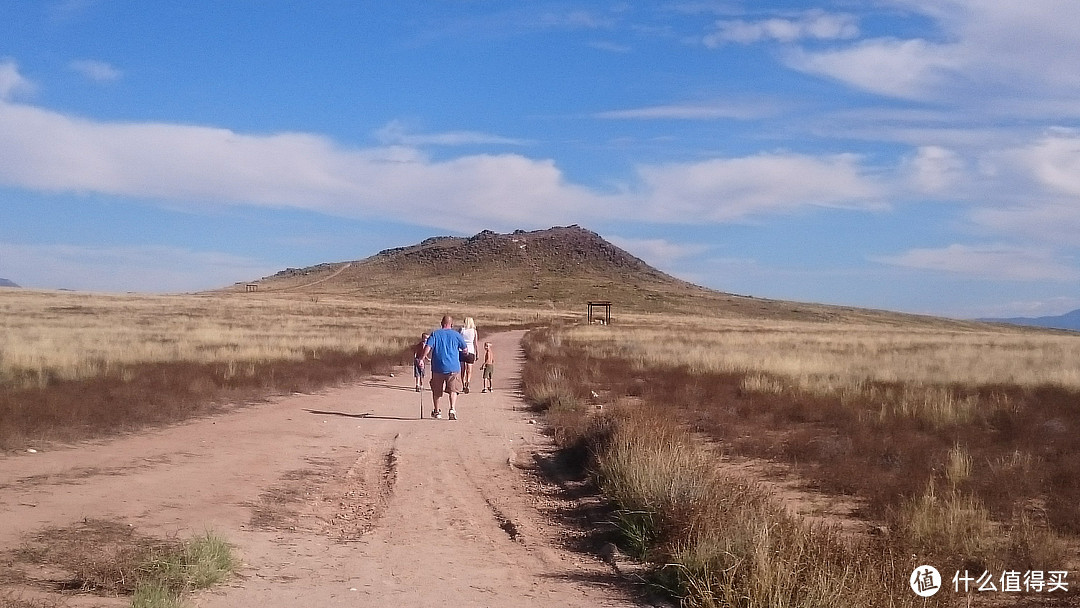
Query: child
x: 488, y: 367
x: 418, y: 362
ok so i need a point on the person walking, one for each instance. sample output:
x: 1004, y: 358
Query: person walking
x: 444, y: 346
x: 488, y: 368
x: 418, y: 361
x: 468, y: 332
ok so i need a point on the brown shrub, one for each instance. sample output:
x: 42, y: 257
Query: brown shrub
x: 1005, y: 462
x: 136, y: 396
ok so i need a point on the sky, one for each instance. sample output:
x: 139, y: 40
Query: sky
x: 911, y: 155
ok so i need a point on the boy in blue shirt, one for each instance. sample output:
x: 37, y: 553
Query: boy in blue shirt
x: 444, y: 346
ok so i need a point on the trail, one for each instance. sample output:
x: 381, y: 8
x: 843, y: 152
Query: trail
x: 317, y: 281
x: 343, y: 498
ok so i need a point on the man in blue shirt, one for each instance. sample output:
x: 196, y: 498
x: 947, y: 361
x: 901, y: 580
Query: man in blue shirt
x: 445, y: 346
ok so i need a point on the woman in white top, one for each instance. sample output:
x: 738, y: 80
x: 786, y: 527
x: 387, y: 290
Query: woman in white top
x: 469, y: 333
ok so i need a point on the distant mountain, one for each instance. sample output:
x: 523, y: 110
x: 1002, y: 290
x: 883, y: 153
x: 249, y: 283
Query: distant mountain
x: 7, y: 283
x: 1069, y: 320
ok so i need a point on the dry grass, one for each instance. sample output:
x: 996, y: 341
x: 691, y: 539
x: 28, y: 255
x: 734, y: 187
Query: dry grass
x: 836, y: 357
x: 724, y: 541
x: 940, y: 377
x: 953, y: 524
x: 110, y: 558
x: 964, y: 469
x: 14, y: 600
x: 78, y: 365
x: 47, y: 336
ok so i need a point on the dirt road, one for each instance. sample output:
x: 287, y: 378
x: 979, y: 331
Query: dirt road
x: 344, y: 498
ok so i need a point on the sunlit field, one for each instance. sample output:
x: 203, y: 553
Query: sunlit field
x: 47, y: 336
x: 843, y: 355
x: 74, y: 365
x: 960, y: 441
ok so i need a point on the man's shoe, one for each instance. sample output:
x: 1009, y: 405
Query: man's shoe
x: 436, y: 414
x: 453, y: 415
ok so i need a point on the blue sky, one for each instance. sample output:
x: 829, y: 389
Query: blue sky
x: 913, y: 155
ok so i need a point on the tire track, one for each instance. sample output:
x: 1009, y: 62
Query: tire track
x: 337, y: 499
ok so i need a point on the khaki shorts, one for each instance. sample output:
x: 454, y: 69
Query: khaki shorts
x: 445, y: 383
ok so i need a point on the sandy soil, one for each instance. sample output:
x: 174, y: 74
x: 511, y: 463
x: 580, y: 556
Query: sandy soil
x: 343, y: 498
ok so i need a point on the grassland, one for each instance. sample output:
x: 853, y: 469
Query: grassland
x: 76, y: 365
x: 959, y: 440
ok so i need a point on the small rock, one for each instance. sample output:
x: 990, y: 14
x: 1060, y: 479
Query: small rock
x: 609, y: 552
x: 532, y: 422
x: 391, y: 375
x: 31, y: 451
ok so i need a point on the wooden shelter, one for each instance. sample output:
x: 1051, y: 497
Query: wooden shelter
x: 598, y: 305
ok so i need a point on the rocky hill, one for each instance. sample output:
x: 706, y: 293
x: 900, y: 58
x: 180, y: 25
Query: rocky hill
x: 561, y: 267
x: 555, y: 267
x: 7, y: 283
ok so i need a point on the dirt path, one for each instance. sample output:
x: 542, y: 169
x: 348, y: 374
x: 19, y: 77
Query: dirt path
x: 345, y: 267
x: 345, y: 498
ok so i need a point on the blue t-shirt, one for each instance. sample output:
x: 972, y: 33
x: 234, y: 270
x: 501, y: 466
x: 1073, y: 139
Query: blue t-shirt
x: 445, y: 345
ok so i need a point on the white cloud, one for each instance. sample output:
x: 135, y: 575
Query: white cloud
x: 983, y: 54
x: 1002, y: 262
x: 48, y: 151
x: 1032, y: 190
x: 707, y: 111
x: 727, y: 189
x: 935, y: 169
x: 167, y: 269
x: 97, y: 71
x: 12, y: 83
x: 896, y: 68
x: 814, y: 24
x: 1054, y: 160
x: 660, y: 253
x: 396, y: 133
x: 1054, y: 222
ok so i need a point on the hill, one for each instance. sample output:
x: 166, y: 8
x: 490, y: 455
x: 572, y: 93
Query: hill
x: 7, y: 283
x: 561, y: 267
x: 1069, y: 321
x: 556, y: 267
